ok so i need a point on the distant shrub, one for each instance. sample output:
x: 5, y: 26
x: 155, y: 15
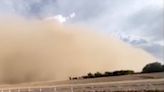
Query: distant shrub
x: 90, y: 75
x: 98, y: 74
x: 108, y: 74
x: 74, y: 78
x: 123, y: 72
x: 149, y: 68
x: 129, y: 72
x: 153, y: 67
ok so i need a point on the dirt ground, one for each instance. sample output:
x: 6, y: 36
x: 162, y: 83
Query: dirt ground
x: 153, y: 82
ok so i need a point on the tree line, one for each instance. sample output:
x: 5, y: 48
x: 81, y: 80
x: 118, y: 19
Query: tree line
x: 149, y: 68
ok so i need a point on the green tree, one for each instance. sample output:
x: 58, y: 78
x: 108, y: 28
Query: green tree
x: 153, y: 67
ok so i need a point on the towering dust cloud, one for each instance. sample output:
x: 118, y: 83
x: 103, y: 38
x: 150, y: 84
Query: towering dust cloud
x: 45, y: 50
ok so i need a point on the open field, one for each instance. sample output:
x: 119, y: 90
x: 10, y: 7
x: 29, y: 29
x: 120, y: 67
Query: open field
x: 129, y: 83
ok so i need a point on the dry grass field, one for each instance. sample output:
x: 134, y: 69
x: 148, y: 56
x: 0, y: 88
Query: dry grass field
x: 152, y: 82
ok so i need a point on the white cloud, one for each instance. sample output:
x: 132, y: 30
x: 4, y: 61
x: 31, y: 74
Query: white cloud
x: 160, y: 43
x: 158, y: 3
x: 60, y: 18
x: 72, y: 15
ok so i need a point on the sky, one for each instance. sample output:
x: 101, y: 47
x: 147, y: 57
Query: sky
x: 136, y: 22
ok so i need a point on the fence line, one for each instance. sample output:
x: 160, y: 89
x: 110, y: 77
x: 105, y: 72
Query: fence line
x: 30, y: 89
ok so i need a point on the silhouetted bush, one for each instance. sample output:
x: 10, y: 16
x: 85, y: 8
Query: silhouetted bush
x: 149, y: 68
x: 122, y: 72
x: 108, y: 74
x: 74, y: 78
x: 90, y: 75
x: 98, y: 74
x: 153, y: 67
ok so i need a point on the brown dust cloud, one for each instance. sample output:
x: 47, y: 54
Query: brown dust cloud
x: 39, y: 50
